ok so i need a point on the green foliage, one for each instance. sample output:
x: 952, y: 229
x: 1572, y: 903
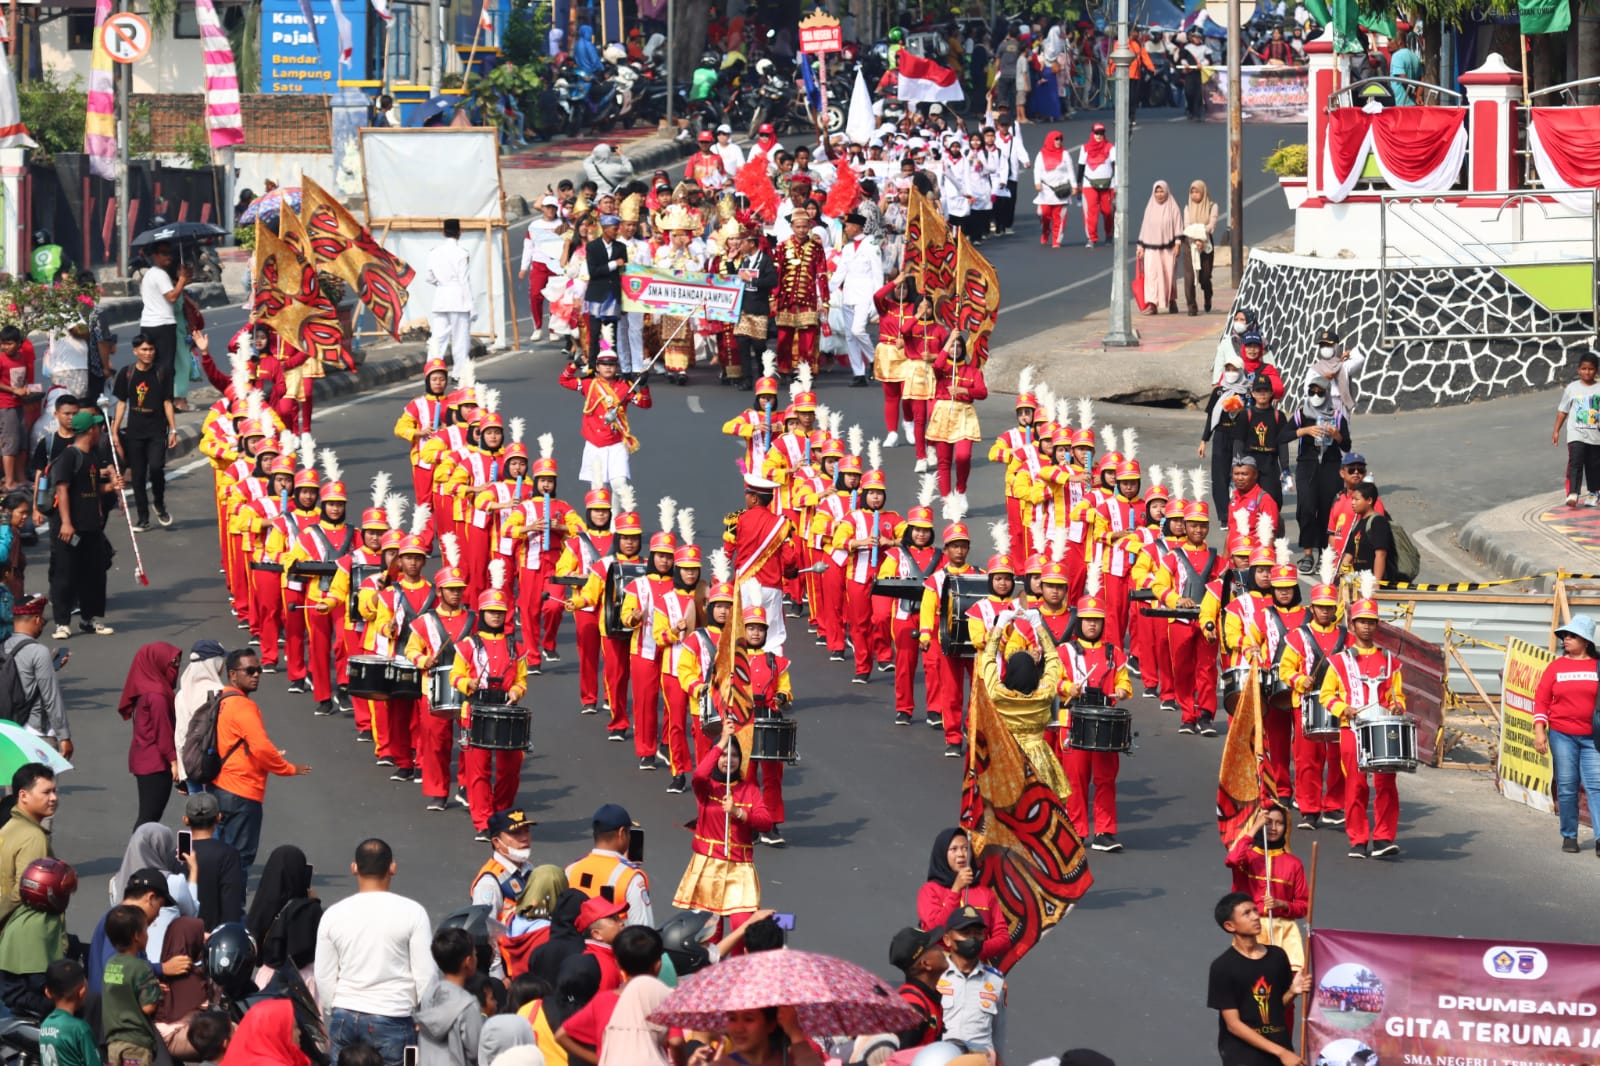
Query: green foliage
x: 245, y: 236
x: 245, y: 41
x: 1288, y: 161
x: 195, y: 145
x: 33, y: 306
x: 526, y: 32
x: 53, y: 108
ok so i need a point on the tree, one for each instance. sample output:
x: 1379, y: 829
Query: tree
x: 53, y: 109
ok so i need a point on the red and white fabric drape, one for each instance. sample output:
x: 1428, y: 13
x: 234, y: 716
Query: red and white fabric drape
x: 1418, y: 149
x: 1565, y: 142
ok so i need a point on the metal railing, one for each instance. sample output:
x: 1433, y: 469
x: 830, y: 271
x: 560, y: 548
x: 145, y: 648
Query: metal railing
x: 1530, y: 174
x: 1434, y: 221
x: 1386, y: 80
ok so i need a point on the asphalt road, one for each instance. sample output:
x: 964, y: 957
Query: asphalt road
x: 1125, y: 973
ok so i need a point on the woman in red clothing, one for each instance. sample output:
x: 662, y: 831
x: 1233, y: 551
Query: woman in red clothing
x: 721, y: 877
x: 897, y: 309
x: 1563, y: 725
x: 950, y: 886
x: 924, y: 338
x: 953, y: 422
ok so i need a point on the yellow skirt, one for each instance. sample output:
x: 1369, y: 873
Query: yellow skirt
x: 718, y: 886
x: 889, y: 363
x: 1044, y: 762
x: 918, y: 379
x: 953, y: 420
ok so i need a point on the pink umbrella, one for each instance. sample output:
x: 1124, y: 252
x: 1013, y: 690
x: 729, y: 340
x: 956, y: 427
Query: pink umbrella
x: 832, y: 997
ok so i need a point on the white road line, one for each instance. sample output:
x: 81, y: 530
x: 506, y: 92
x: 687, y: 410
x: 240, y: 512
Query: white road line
x: 1466, y: 570
x: 694, y: 405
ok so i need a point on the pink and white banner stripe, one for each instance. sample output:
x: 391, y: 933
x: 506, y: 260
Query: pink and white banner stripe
x: 100, y: 123
x: 224, y: 120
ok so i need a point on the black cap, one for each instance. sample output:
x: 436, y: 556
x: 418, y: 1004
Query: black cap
x: 968, y: 917
x: 911, y: 944
x: 146, y: 881
x: 508, y: 822
x: 1327, y: 336
x: 854, y: 219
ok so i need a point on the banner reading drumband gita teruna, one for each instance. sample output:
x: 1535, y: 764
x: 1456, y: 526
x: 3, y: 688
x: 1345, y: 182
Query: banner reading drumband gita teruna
x: 1386, y: 1000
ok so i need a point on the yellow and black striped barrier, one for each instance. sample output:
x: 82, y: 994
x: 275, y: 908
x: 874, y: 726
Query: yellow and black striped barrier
x: 1474, y: 586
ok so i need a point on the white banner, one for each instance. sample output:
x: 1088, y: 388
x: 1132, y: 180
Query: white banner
x: 444, y: 172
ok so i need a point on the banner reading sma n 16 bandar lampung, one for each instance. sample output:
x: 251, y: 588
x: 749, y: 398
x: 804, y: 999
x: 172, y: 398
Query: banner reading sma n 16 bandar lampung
x: 682, y: 294
x: 1385, y: 999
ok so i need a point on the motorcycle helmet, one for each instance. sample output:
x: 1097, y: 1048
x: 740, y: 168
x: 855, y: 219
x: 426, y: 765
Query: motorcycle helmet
x: 764, y: 67
x: 41, y: 237
x: 561, y: 83
x: 710, y: 59
x: 683, y: 937
x: 475, y: 920
x: 897, y: 35
x: 47, y: 885
x: 614, y: 53
x: 231, y: 959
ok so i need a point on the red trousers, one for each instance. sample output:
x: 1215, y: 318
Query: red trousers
x: 906, y: 653
x: 617, y: 676
x: 955, y: 463
x: 365, y: 710
x: 1386, y: 803
x: 1077, y: 571
x: 294, y: 633
x: 1018, y: 528
x: 681, y: 726
x: 798, y: 342
x: 539, y: 276
x: 239, y: 586
x: 436, y: 735
x: 645, y: 678
x: 1052, y: 220
x: 1161, y: 648
x: 1097, y: 208
x: 919, y: 426
x: 1277, y: 735
x: 830, y: 605
x: 492, y: 780
x: 1086, y: 769
x: 1114, y: 590
x: 399, y: 725
x: 266, y: 612
x: 1194, y: 671
x: 948, y: 697
x: 770, y: 775
x: 869, y: 625
x: 538, y: 613
x: 1318, y: 774
x: 422, y: 484
x: 329, y: 656
x: 1141, y: 644
x: 475, y: 561
x: 588, y: 625
x: 894, y: 410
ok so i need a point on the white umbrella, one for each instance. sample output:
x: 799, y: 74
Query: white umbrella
x: 859, y: 124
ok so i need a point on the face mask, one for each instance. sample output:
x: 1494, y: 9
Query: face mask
x: 1318, y: 399
x: 518, y: 855
x: 1230, y: 377
x: 1326, y: 351
x: 969, y: 947
x: 1238, y: 327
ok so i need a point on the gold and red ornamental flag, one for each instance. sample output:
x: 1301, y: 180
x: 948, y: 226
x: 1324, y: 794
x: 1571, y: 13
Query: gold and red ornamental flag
x: 1244, y: 780
x: 343, y: 247
x: 977, y: 307
x: 288, y: 299
x: 930, y: 252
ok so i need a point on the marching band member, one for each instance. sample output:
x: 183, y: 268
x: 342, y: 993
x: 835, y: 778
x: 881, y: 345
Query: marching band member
x: 985, y: 614
x: 1319, y: 769
x: 248, y: 479
x: 914, y: 559
x: 283, y: 532
x: 924, y: 338
x: 1284, y: 614
x: 866, y: 533
x: 266, y: 568
x: 1018, y: 449
x: 694, y: 658
x: 607, y: 440
x: 401, y: 600
x: 322, y: 543
x: 1365, y: 677
x: 541, y: 523
x: 421, y: 419
x: 1091, y: 664
x: 721, y: 876
x: 333, y: 625
x: 830, y: 509
x: 629, y: 534
x: 489, y: 669
x: 953, y: 669
x: 644, y: 597
x: 755, y: 426
x: 764, y: 556
x: 1061, y: 491
x: 431, y: 646
x: 474, y: 474
x: 1143, y: 559
x: 1269, y: 873
x: 369, y: 712
x: 1113, y: 539
x: 673, y: 619
x: 586, y: 552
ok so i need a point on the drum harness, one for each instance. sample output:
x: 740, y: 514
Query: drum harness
x: 1195, y: 581
x: 1320, y: 661
x: 480, y: 659
x: 325, y: 547
x: 439, y: 633
x: 1352, y: 666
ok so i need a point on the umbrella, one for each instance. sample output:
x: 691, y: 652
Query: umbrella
x: 18, y: 746
x: 442, y: 107
x: 832, y: 997
x: 179, y: 231
x: 267, y: 205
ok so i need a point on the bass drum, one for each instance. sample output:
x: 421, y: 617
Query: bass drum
x: 618, y: 577
x: 369, y: 677
x: 405, y: 679
x: 960, y: 592
x: 775, y: 739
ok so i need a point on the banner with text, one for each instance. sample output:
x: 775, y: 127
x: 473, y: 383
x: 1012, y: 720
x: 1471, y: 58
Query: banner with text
x: 1385, y: 998
x: 685, y: 295
x: 1266, y: 94
x: 296, y: 60
x: 1523, y: 774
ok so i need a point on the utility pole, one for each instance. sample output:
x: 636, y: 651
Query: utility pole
x: 435, y: 46
x: 671, y: 57
x: 1120, y: 333
x: 124, y: 135
x: 1235, y: 144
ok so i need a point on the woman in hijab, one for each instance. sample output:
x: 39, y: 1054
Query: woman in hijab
x: 1055, y: 182
x: 183, y: 992
x: 1199, y: 223
x: 1159, y: 234
x: 201, y: 678
x: 155, y: 846
x: 565, y: 940
x: 285, y: 913
x: 267, y: 1036
x: 1323, y: 434
x: 952, y: 884
x: 501, y: 1033
x: 148, y: 701
x: 529, y: 928
x: 1336, y: 365
x: 1229, y: 401
x: 585, y: 54
x: 1044, y: 98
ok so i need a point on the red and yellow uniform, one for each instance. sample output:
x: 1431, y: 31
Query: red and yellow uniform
x: 420, y: 420
x: 721, y: 876
x: 953, y: 672
x: 539, y: 526
x: 918, y: 564
x: 1018, y: 448
x: 1319, y: 773
x: 757, y: 427
x: 399, y: 603
x: 324, y: 541
x: 1099, y: 667
x: 431, y: 646
x: 643, y: 599
x: 866, y: 534
x: 825, y: 512
x: 1113, y: 538
x: 282, y: 535
x: 672, y: 616
x: 489, y: 659
x: 1359, y: 678
x: 690, y: 661
x: 605, y: 407
x: 618, y: 644
x: 585, y: 554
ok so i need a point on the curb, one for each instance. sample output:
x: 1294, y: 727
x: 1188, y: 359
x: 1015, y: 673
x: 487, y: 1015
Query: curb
x: 124, y: 310
x: 653, y: 157
x: 1507, y: 551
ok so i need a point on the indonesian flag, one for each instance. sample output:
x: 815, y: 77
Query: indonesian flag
x: 924, y: 81
x: 13, y: 132
x: 486, y: 17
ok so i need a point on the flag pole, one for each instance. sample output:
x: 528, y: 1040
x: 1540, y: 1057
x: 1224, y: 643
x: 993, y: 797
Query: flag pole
x: 1311, y: 907
x: 1522, y: 40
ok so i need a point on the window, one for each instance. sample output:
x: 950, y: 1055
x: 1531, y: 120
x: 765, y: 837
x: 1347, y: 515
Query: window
x: 185, y: 26
x: 80, y: 31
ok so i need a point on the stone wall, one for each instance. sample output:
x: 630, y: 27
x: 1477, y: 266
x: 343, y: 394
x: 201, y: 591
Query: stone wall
x: 272, y: 123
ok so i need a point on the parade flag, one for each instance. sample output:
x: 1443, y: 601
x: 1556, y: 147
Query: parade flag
x: 924, y: 81
x: 978, y: 305
x: 929, y: 252
x: 311, y: 22
x: 224, y: 120
x: 1544, y: 16
x: 13, y: 131
x: 289, y: 300
x: 1244, y: 782
x: 1022, y: 840
x: 382, y: 8
x: 292, y: 232
x: 343, y: 247
x: 813, y: 89
x: 346, y: 38
x: 859, y: 123
x: 100, y: 123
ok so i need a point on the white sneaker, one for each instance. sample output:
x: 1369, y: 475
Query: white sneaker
x: 1572, y: 499
x: 62, y: 633
x: 922, y: 466
x: 908, y: 431
x: 891, y: 440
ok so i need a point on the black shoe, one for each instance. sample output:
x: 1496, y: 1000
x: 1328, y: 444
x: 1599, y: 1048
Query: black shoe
x: 588, y: 708
x: 773, y: 838
x: 460, y: 796
x: 300, y: 687
x: 859, y: 679
x: 324, y: 709
x: 616, y: 736
x: 1105, y: 842
x: 1309, y: 821
x: 163, y: 517
x: 436, y: 803
x: 384, y: 760
x: 1333, y: 819
x: 1357, y: 851
x: 679, y: 783
x: 142, y: 526
x: 952, y: 751
x: 403, y: 775
x: 550, y: 657
x: 1208, y: 727
x: 344, y: 695
x: 902, y: 718
x: 1189, y: 728
x: 933, y: 721
x: 1307, y: 564
x: 270, y: 668
x: 836, y: 657
x: 363, y: 736
x: 1382, y: 849
x: 648, y: 763
x: 482, y: 836
x: 1569, y: 845
x: 886, y: 667
x: 534, y: 670
x: 1169, y: 705
x: 858, y: 382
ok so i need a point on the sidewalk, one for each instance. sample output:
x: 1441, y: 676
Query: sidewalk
x: 526, y: 172
x: 1535, y: 535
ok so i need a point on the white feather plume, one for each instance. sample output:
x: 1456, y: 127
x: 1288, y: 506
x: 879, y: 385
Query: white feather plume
x: 1109, y: 435
x: 1199, y: 483
x: 823, y: 413
x: 253, y: 405
x: 547, y: 445
x: 1036, y: 528
x: 1130, y: 443
x: 1025, y: 379
x: 623, y: 493
x: 1085, y: 413
x: 519, y: 426
x: 497, y: 574
x: 609, y: 333
x: 1058, y: 544
x: 928, y: 490
x: 330, y: 465
x: 667, y: 508
x: 1241, y: 522
x: 1091, y: 581
x: 450, y: 548
x: 874, y: 454
x: 686, y: 525
x: 1063, y: 412
x: 769, y: 364
x: 1175, y: 484
x: 468, y: 376
x: 1285, y: 553
x: 1154, y: 475
x: 394, y: 510
x: 420, y: 517
x: 801, y: 382
x: 1368, y: 584
x: 380, y: 487
x: 308, y: 450
x: 491, y: 400
x: 955, y: 507
x: 721, y: 569
x: 1266, y: 528
x: 1328, y: 566
x: 855, y: 436
x: 239, y: 372
x: 1000, y: 536
x: 835, y: 423
x: 1047, y: 402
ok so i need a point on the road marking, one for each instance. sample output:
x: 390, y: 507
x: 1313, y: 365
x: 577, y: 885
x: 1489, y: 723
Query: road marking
x: 694, y: 405
x: 1467, y: 570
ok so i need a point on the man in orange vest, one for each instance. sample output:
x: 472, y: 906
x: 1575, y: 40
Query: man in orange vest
x: 501, y: 879
x: 606, y: 870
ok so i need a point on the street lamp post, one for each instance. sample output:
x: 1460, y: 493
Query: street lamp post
x: 1235, y: 143
x: 1120, y: 333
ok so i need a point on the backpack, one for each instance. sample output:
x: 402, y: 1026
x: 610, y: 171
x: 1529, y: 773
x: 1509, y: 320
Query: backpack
x: 16, y: 703
x: 1407, y: 560
x: 201, y: 760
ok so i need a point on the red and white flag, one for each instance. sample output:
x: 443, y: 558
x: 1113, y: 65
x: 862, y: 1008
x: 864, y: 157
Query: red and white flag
x: 13, y: 132
x: 924, y: 81
x: 486, y: 17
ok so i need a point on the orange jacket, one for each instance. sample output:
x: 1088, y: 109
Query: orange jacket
x: 245, y: 772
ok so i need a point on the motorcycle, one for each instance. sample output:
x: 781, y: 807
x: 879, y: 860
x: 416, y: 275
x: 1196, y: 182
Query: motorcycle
x: 19, y: 1042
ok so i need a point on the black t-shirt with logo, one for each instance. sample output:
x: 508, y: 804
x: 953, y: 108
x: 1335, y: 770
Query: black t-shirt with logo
x: 80, y: 472
x: 1370, y: 536
x: 145, y: 393
x: 1255, y: 988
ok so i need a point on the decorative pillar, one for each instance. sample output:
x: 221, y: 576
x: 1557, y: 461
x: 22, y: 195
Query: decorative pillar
x: 1325, y: 76
x: 1493, y: 91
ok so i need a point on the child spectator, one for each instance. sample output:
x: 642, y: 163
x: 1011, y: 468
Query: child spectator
x: 64, y: 1038
x: 209, y: 1033
x: 1579, y: 409
x: 130, y: 992
x: 449, y: 1019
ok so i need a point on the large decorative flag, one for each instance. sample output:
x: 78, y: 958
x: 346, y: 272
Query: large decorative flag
x: 930, y: 253
x: 311, y: 22
x: 1244, y: 782
x: 1544, y: 16
x: 343, y: 247
x: 924, y: 81
x: 224, y: 120
x: 977, y: 307
x: 289, y: 300
x: 1022, y: 840
x: 859, y: 124
x: 13, y: 131
x: 100, y: 123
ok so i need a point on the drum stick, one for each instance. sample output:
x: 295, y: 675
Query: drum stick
x: 1311, y: 908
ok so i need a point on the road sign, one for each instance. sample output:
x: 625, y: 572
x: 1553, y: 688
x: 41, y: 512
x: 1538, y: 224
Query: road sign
x: 820, y: 32
x: 126, y: 37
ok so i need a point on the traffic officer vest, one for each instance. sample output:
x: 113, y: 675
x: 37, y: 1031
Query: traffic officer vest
x: 597, y: 871
x: 511, y: 883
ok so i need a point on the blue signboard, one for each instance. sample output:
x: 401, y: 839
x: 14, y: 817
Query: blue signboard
x: 293, y: 60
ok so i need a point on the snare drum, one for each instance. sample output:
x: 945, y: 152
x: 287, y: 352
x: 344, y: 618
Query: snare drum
x: 1280, y: 694
x: 506, y: 728
x: 775, y: 739
x: 405, y: 680
x: 443, y: 699
x: 619, y: 576
x: 710, y: 717
x: 1100, y: 728
x: 1315, y: 721
x: 1385, y: 743
x: 369, y: 677
x: 960, y: 592
x: 1234, y: 679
